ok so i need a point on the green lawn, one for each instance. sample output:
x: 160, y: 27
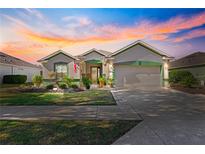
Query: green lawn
x: 75, y: 132
x: 89, y: 97
x: 9, y: 85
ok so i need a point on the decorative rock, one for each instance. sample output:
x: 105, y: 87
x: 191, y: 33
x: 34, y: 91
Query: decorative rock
x: 55, y: 89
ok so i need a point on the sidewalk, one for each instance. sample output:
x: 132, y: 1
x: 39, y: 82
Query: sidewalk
x: 66, y: 113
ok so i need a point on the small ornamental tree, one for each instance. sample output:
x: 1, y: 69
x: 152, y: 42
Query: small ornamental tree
x: 37, y: 80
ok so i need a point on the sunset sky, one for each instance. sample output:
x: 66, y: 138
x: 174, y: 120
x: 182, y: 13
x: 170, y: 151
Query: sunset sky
x: 31, y: 34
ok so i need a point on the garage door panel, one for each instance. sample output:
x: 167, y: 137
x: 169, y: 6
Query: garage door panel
x: 126, y: 76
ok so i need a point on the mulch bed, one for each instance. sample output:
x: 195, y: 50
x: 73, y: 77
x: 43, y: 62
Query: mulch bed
x: 199, y: 90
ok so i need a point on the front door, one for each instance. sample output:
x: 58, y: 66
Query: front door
x: 95, y: 74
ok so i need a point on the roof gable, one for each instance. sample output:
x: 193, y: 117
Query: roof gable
x: 101, y: 52
x: 142, y: 43
x: 7, y: 59
x: 56, y: 53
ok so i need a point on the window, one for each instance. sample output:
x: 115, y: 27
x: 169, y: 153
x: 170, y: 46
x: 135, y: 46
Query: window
x: 61, y: 70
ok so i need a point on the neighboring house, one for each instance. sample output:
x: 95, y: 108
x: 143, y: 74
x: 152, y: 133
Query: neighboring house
x: 194, y: 63
x: 10, y: 65
x: 137, y: 64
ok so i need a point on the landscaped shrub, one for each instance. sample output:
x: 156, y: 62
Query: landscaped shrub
x: 184, y: 78
x: 37, y: 80
x: 173, y: 77
x: 14, y: 79
x: 28, y: 84
x: 86, y: 82
x: 67, y: 80
x: 74, y: 86
x: 50, y: 86
x: 75, y: 80
x: 62, y: 85
x: 188, y: 81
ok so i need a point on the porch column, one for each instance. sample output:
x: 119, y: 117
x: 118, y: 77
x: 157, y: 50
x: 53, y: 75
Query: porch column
x: 110, y: 69
x: 166, y: 73
x: 82, y: 70
x: 104, y: 68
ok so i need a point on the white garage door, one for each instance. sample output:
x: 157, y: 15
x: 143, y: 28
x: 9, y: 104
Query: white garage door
x: 136, y: 76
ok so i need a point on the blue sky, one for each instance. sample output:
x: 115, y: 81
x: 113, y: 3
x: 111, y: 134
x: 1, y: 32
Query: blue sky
x: 33, y: 33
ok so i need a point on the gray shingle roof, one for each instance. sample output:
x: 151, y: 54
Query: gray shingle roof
x: 7, y: 59
x: 144, y: 44
x: 194, y: 59
x: 102, y: 52
x: 56, y: 53
x: 105, y: 52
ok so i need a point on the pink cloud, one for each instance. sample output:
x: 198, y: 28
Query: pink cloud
x: 192, y: 34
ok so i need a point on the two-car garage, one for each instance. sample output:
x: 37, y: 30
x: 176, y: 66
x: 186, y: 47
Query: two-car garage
x: 139, y: 65
x: 137, y: 76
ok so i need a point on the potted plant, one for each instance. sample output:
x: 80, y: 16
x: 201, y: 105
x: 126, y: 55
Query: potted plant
x: 86, y: 82
x: 110, y: 82
x: 101, y: 81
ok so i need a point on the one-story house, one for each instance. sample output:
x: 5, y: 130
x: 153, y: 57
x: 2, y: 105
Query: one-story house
x: 194, y: 63
x: 10, y: 65
x: 138, y: 64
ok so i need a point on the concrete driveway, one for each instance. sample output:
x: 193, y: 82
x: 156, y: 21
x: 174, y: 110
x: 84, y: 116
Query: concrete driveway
x: 169, y: 117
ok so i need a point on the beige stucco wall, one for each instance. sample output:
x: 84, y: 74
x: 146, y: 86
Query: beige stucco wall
x: 48, y: 66
x: 6, y: 69
x: 137, y: 52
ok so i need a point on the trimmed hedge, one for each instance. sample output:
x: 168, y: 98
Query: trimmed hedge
x: 14, y: 79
